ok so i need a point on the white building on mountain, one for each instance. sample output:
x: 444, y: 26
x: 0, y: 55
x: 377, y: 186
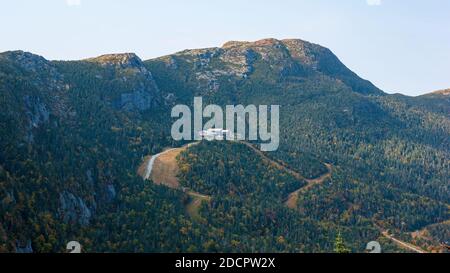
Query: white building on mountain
x: 215, y: 133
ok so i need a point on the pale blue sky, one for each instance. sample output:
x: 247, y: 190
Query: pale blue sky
x: 400, y: 45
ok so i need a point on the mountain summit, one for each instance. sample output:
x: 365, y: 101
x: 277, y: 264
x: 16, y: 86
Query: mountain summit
x: 351, y: 158
x: 443, y: 92
x: 124, y: 60
x: 289, y: 59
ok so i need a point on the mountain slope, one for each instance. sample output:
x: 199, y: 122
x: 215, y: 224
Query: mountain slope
x: 69, y: 141
x: 74, y: 133
x: 386, y: 148
x: 332, y: 119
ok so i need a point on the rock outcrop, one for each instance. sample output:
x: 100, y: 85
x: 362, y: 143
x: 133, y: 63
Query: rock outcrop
x: 140, y: 91
x: 283, y: 59
x: 73, y: 209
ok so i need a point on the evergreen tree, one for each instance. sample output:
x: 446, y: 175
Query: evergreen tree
x: 339, y: 245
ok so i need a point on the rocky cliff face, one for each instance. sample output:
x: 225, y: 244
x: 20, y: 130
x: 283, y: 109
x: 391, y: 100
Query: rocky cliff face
x: 139, y: 89
x: 40, y: 87
x: 72, y: 134
x: 122, y: 63
x: 73, y: 209
x: 283, y: 59
x: 31, y: 63
x: 48, y: 109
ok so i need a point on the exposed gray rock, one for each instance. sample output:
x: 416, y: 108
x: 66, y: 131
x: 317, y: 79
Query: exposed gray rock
x: 140, y: 90
x: 110, y: 192
x: 45, y: 75
x: 28, y: 61
x: 212, y: 64
x: 36, y: 110
x: 24, y: 248
x: 46, y: 88
x: 120, y: 61
x: 170, y: 99
x: 37, y: 113
x: 204, y: 57
x: 240, y: 61
x: 89, y: 177
x: 139, y: 99
x: 171, y: 63
x: 73, y: 209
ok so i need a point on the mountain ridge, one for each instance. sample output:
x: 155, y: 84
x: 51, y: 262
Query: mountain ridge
x: 313, y: 56
x: 130, y: 59
x: 294, y: 56
x: 74, y: 132
x: 442, y: 92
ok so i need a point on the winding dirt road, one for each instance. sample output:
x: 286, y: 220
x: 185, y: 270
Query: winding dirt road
x: 150, y: 164
x: 403, y: 244
x: 291, y: 201
x: 162, y: 169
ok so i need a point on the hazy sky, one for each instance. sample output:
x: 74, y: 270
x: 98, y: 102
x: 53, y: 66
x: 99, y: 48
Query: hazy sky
x: 400, y: 45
